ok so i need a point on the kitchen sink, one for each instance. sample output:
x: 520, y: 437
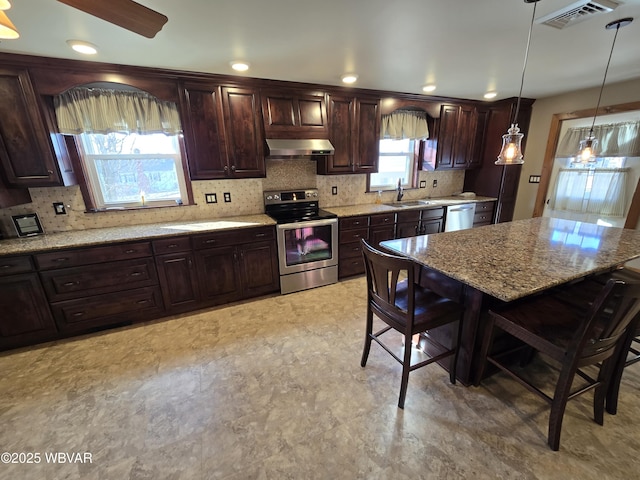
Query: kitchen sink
x: 409, y: 203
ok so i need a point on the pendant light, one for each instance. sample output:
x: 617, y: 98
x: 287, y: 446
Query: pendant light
x: 7, y: 29
x: 588, y: 146
x: 511, y: 152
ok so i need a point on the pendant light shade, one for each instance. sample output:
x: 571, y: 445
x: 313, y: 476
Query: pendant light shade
x: 7, y: 29
x: 587, y: 149
x: 511, y: 152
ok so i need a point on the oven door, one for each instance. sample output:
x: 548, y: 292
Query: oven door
x: 307, y: 245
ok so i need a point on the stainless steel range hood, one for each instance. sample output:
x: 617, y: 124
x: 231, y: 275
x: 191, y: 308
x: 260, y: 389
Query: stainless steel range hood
x: 302, y: 147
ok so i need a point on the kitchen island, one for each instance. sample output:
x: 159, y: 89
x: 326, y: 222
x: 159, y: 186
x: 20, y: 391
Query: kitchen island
x: 508, y: 261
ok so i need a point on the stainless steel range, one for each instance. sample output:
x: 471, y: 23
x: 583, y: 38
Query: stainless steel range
x: 307, y: 239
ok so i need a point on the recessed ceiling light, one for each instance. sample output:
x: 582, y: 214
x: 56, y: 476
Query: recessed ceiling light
x: 428, y: 88
x: 490, y: 95
x: 349, y: 78
x: 85, y: 48
x: 240, y: 66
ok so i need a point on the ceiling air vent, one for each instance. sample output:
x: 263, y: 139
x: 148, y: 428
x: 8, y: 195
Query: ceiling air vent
x: 577, y: 12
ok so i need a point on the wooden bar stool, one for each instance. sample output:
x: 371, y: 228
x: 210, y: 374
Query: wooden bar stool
x: 394, y: 297
x: 575, y: 337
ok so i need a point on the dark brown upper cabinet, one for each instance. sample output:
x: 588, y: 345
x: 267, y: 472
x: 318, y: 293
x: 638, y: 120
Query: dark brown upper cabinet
x: 354, y: 131
x: 27, y: 152
x: 456, y: 137
x: 294, y: 114
x: 222, y: 131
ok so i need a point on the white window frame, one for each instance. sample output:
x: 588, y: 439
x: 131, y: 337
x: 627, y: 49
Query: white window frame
x: 89, y: 163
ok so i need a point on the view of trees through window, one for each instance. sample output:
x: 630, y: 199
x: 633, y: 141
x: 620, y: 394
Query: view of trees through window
x: 130, y: 169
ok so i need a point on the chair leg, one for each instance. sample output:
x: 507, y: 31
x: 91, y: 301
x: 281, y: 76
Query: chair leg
x: 367, y: 337
x: 406, y: 368
x: 618, y: 369
x: 559, y: 405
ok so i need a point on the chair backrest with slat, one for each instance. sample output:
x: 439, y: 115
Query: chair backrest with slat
x: 385, y: 273
x: 610, y: 314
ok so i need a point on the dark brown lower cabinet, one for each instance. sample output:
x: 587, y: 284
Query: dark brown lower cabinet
x: 26, y: 318
x: 178, y: 281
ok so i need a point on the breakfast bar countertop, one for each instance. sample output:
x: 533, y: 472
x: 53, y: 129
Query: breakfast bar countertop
x: 100, y: 236
x: 515, y: 259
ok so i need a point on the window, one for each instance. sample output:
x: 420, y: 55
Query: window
x: 133, y: 170
x: 396, y: 161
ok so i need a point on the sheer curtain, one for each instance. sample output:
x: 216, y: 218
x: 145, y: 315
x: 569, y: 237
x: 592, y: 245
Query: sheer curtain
x: 403, y: 124
x: 99, y: 110
x: 600, y: 191
x: 614, y: 140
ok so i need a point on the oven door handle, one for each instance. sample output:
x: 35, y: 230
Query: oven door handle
x: 307, y: 224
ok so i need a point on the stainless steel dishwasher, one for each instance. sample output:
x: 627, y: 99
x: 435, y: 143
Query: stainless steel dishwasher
x: 459, y: 217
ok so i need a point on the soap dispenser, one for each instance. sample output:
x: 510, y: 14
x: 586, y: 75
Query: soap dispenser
x: 379, y: 198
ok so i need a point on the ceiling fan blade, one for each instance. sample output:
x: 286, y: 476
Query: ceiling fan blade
x: 124, y: 13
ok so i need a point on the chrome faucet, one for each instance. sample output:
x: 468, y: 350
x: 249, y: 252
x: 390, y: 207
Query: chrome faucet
x: 400, y: 190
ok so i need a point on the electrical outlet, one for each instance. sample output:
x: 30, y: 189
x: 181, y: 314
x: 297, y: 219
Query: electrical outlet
x: 334, y: 190
x: 59, y: 208
x: 211, y: 198
x: 227, y: 197
x: 435, y: 183
x: 423, y: 184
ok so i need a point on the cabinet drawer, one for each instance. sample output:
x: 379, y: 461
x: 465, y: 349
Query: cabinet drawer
x: 233, y: 237
x: 109, y: 309
x: 11, y: 265
x: 433, y: 213
x: 67, y: 283
x: 485, y: 207
x: 351, y: 266
x: 87, y: 256
x: 353, y: 222
x: 350, y: 250
x: 354, y: 235
x: 482, y: 218
x: 171, y: 245
x: 409, y: 216
x: 384, y: 219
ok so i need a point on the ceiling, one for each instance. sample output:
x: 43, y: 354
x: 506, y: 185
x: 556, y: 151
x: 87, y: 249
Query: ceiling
x: 466, y: 47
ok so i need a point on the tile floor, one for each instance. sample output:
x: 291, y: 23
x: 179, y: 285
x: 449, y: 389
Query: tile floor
x: 273, y: 389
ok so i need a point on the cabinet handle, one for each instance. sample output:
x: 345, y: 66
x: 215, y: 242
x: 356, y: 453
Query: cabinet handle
x: 135, y: 274
x: 142, y: 302
x: 226, y: 169
x: 69, y: 284
x: 173, y: 245
x: 78, y: 314
x: 233, y: 168
x: 61, y: 259
x: 190, y: 263
x: 210, y: 241
x: 386, y: 220
x: 6, y: 266
x: 260, y: 235
x: 50, y: 172
x: 129, y: 251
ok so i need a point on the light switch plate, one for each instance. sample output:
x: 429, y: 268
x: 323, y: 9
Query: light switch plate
x: 211, y: 198
x: 227, y: 197
x: 59, y: 208
x: 534, y: 178
x: 423, y: 184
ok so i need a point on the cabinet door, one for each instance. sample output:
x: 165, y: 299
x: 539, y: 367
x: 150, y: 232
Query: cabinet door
x: 409, y: 229
x: 243, y: 132
x: 26, y: 151
x: 201, y: 107
x: 465, y: 137
x: 294, y: 114
x: 367, y: 136
x: 341, y: 127
x: 446, y: 136
x: 26, y: 317
x: 431, y: 226
x: 178, y: 281
x: 381, y: 233
x: 259, y: 268
x: 218, y: 275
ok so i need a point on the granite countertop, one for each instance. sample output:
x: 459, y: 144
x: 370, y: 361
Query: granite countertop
x: 370, y: 208
x: 98, y: 236
x: 515, y: 259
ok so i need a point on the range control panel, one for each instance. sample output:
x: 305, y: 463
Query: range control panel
x: 290, y: 196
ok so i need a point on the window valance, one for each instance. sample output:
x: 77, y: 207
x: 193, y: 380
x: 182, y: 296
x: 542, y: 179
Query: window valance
x: 405, y: 124
x: 614, y: 140
x: 98, y: 110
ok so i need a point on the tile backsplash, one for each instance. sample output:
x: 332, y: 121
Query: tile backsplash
x: 246, y: 198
